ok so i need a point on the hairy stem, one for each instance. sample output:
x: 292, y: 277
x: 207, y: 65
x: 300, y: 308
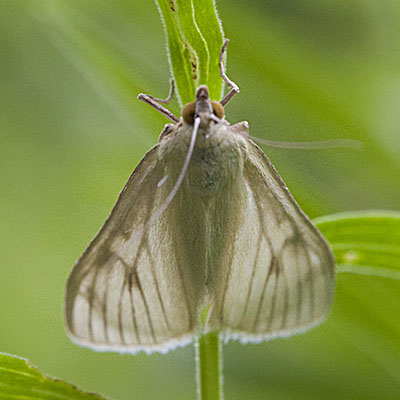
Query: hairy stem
x: 209, y: 367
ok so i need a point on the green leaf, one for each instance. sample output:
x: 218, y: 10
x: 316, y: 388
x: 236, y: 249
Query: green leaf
x: 194, y: 37
x: 365, y: 242
x: 21, y: 380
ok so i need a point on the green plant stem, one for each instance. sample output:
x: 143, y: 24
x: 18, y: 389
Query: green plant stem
x: 209, y: 367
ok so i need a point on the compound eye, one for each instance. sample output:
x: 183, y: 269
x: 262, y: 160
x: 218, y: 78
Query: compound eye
x: 188, y: 113
x: 218, y: 109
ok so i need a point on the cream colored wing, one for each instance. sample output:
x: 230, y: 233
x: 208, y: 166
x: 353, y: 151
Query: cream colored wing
x: 277, y: 277
x: 129, y: 291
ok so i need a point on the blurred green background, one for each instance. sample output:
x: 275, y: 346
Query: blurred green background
x: 71, y: 132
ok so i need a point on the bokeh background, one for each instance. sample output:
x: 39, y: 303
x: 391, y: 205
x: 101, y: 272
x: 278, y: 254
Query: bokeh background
x: 71, y: 132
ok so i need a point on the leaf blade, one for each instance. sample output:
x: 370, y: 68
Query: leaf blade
x: 21, y: 380
x: 194, y: 36
x: 364, y: 242
x: 211, y: 29
x: 198, y: 47
x: 178, y: 52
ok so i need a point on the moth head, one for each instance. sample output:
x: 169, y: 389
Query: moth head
x: 204, y: 108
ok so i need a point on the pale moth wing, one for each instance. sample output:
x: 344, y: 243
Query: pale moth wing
x: 277, y: 276
x: 222, y: 232
x: 131, y: 291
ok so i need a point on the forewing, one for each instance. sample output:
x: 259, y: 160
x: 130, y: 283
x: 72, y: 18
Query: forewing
x: 128, y: 291
x: 278, y: 278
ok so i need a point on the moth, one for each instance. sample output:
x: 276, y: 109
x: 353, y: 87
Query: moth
x: 204, y: 222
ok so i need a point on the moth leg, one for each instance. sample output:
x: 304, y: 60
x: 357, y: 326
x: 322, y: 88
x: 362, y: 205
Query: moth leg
x: 170, y: 94
x: 242, y: 128
x: 234, y: 89
x: 155, y: 102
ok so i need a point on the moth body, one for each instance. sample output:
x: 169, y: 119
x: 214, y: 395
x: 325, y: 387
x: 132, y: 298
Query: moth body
x: 230, y: 236
x: 217, y: 160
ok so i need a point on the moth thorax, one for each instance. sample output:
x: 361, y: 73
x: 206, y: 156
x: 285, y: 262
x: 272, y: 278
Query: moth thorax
x: 213, y: 170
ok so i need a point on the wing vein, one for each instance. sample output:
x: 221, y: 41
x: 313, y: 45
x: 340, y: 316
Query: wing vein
x: 157, y: 285
x: 90, y: 301
x: 120, y: 328
x: 312, y: 287
x: 146, y: 306
x: 135, y: 326
x: 184, y: 286
x: 270, y: 270
x: 271, y: 264
x: 299, y: 290
x: 286, y: 297
x: 227, y: 282
x: 329, y: 273
x: 134, y: 269
x: 256, y: 259
x: 104, y: 308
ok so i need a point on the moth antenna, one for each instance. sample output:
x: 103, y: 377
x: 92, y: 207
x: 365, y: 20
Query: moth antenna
x: 179, y: 181
x: 155, y: 102
x: 234, y: 89
x: 323, y: 144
